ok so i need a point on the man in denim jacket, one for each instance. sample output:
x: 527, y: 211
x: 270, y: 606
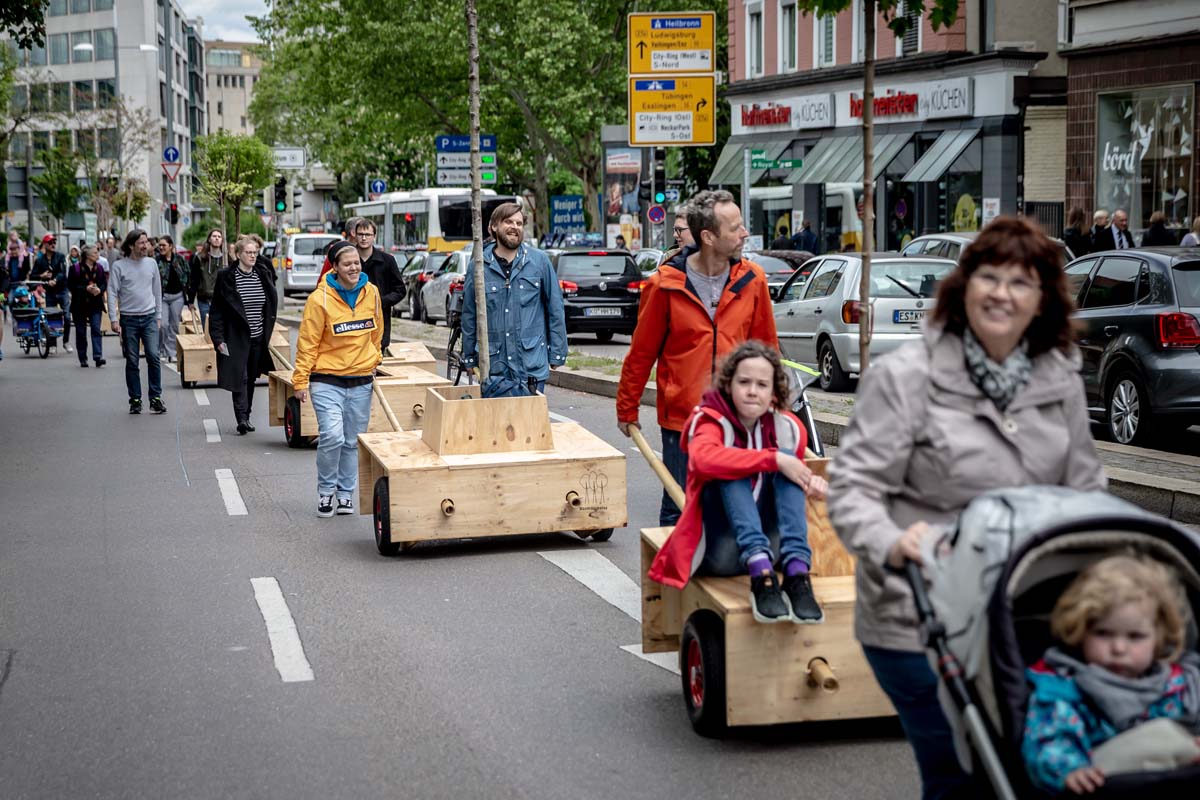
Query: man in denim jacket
x: 527, y: 328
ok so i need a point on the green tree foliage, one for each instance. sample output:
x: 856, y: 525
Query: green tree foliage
x: 132, y: 200
x: 232, y: 169
x: 197, y: 232
x: 552, y: 73
x: 24, y: 21
x: 106, y: 184
x: 56, y: 186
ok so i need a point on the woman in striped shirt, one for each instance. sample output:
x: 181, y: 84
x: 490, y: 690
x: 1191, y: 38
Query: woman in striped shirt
x: 240, y: 322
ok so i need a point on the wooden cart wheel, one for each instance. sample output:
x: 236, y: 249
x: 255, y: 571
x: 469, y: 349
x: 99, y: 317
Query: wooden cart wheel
x: 381, y: 517
x: 602, y: 535
x: 291, y: 424
x: 702, y: 665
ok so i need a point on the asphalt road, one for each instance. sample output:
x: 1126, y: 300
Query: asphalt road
x: 136, y: 662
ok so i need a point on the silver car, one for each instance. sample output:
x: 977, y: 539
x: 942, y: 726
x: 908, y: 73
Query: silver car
x: 818, y: 309
x: 435, y: 294
x: 303, y: 256
x: 951, y: 245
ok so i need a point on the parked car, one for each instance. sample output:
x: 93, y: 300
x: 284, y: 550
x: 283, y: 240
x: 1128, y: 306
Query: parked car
x: 601, y: 289
x: 951, y: 245
x: 418, y: 271
x: 1140, y: 313
x: 779, y: 265
x: 435, y: 294
x: 817, y: 311
x: 303, y: 255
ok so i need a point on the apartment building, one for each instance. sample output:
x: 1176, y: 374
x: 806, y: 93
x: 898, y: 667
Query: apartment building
x: 233, y: 70
x: 146, y: 51
x: 957, y: 113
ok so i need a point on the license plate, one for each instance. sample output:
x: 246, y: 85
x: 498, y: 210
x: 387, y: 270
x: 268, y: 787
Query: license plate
x: 908, y: 315
x: 602, y: 312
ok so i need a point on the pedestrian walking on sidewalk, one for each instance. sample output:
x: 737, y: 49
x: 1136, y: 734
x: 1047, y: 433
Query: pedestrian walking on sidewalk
x: 241, y: 319
x: 174, y: 273
x: 135, y: 293
x: 382, y: 271
x: 208, y: 260
x: 699, y: 306
x: 87, y: 282
x: 337, y: 352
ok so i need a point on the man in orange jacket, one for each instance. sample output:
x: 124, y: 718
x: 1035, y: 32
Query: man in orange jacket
x: 695, y: 309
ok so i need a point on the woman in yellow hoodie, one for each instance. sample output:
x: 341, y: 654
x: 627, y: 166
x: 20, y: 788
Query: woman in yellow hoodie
x: 337, y: 352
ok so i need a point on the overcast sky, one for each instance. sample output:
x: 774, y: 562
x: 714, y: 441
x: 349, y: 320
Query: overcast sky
x: 226, y: 19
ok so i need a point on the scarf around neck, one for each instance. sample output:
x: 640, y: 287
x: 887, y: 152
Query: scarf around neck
x: 1123, y: 701
x: 998, y: 382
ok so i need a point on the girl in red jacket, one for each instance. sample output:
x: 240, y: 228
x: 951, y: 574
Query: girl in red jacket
x: 745, y: 479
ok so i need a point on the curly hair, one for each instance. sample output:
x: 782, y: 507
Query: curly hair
x: 1115, y: 581
x: 723, y: 379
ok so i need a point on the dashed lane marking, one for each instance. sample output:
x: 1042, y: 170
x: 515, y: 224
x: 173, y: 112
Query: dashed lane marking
x: 201, y: 397
x: 211, y: 432
x: 290, y: 661
x: 657, y: 454
x: 230, y: 493
x: 668, y: 661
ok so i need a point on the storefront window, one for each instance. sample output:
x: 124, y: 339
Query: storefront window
x: 964, y: 190
x: 900, y: 201
x: 1144, y: 153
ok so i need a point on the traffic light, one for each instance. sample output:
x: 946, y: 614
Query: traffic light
x: 173, y: 213
x: 280, y: 195
x: 296, y: 195
x: 660, y: 175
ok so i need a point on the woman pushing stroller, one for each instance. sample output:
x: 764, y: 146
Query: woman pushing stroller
x: 746, y: 480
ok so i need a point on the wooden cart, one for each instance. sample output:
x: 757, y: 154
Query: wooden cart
x: 736, y: 671
x: 407, y: 354
x: 404, y: 389
x: 197, y: 360
x: 495, y: 467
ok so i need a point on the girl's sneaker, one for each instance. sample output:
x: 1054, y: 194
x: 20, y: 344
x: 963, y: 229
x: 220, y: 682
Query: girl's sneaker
x: 345, y: 507
x: 799, y: 592
x: 767, y: 602
x: 325, y: 505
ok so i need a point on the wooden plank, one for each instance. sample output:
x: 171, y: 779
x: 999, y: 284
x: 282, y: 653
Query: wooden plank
x: 197, y: 359
x: 408, y: 354
x: 279, y: 389
x: 190, y: 320
x: 495, y: 425
x: 661, y: 625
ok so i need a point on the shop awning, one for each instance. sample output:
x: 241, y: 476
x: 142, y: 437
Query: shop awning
x: 819, y: 160
x: 938, y: 158
x: 842, y: 160
x: 729, y: 164
x: 887, y: 147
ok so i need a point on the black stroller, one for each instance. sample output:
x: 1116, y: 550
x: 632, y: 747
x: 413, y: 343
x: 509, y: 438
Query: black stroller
x: 985, y: 617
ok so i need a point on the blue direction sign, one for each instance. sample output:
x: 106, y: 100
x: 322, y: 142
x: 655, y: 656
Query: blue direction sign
x: 378, y: 186
x: 171, y: 155
x: 452, y: 143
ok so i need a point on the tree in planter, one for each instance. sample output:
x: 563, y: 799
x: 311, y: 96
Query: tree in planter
x: 898, y: 14
x: 132, y: 201
x: 232, y: 170
x: 57, y: 186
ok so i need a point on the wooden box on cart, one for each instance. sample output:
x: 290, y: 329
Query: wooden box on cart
x: 196, y: 359
x: 404, y: 390
x: 737, y: 671
x: 495, y: 467
x: 408, y: 354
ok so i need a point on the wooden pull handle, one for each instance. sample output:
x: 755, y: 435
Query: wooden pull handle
x: 821, y: 674
x: 418, y: 410
x: 656, y: 464
x: 386, y: 406
x: 448, y: 507
x: 573, y: 499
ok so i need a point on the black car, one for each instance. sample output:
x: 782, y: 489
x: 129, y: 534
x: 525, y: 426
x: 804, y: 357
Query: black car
x: 601, y: 289
x: 1140, y: 314
x: 416, y: 272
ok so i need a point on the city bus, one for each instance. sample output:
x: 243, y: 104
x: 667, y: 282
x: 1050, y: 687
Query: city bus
x: 425, y: 219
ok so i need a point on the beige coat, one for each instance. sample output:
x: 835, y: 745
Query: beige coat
x: 924, y: 441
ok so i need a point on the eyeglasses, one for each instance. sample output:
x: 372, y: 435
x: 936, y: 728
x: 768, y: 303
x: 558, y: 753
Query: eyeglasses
x: 678, y: 231
x: 1017, y: 287
x: 365, y: 234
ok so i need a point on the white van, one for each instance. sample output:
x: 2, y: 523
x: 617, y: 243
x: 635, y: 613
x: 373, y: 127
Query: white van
x: 303, y: 256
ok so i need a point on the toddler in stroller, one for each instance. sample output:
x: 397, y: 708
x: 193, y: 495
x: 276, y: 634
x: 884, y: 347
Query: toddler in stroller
x: 1121, y: 627
x: 1016, y: 560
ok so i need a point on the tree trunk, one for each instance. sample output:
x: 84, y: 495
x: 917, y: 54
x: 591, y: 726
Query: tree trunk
x: 541, y: 189
x: 865, y: 322
x: 481, y: 323
x: 237, y: 221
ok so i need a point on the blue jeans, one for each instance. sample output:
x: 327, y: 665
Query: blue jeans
x: 64, y: 302
x: 775, y: 523
x: 676, y: 462
x: 134, y: 329
x: 908, y: 681
x: 342, y: 414
x: 203, y: 306
x: 82, y: 322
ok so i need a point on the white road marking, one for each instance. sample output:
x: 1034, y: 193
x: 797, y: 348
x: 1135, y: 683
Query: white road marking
x: 668, y: 661
x: 561, y: 418
x: 290, y: 660
x: 657, y: 454
x: 211, y: 432
x: 201, y: 397
x: 601, y: 576
x: 170, y: 367
x: 230, y: 493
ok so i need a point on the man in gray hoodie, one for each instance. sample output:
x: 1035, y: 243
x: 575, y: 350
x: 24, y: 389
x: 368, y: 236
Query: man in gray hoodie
x: 135, y: 292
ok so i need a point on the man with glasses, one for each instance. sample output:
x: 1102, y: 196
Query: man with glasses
x: 381, y: 270
x: 683, y: 236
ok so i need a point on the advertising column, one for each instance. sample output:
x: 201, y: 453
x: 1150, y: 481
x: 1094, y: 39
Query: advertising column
x: 622, y: 211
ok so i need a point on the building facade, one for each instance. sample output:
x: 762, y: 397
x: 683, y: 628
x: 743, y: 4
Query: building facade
x: 955, y: 112
x: 233, y: 70
x: 1133, y: 77
x: 96, y: 51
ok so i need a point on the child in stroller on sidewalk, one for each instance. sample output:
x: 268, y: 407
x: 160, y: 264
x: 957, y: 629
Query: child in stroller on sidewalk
x: 746, y: 485
x: 1121, y: 628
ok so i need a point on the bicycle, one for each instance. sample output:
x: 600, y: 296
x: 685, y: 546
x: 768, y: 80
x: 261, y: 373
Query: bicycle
x: 455, y: 368
x: 33, y: 326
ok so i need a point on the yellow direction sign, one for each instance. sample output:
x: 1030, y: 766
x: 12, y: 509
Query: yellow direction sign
x: 666, y: 43
x: 672, y: 111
